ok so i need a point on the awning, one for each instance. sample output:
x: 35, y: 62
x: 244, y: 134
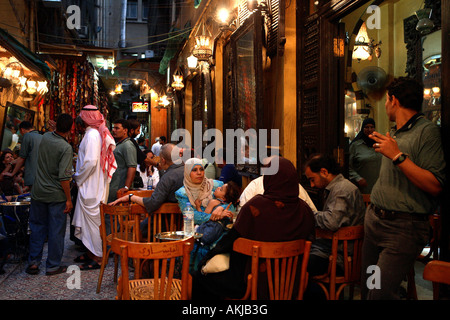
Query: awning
x: 176, y: 38
x: 24, y: 55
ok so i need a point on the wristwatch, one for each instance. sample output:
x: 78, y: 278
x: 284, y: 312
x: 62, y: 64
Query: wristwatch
x: 129, y: 197
x: 400, y: 159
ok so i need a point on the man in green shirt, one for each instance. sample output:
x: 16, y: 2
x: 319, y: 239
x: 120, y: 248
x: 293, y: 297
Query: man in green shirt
x: 126, y: 158
x: 412, y: 175
x: 50, y: 198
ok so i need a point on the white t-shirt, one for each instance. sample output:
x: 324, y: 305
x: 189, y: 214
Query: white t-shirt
x: 256, y: 187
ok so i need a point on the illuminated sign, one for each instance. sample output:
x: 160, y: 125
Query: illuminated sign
x: 139, y: 107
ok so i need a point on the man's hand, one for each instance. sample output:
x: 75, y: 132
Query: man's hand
x: 386, y: 145
x: 69, y: 206
x: 117, y: 201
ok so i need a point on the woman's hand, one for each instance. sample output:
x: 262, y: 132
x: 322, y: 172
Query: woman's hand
x: 197, y: 205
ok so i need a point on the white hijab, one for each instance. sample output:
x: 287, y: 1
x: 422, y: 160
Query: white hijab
x: 196, y: 191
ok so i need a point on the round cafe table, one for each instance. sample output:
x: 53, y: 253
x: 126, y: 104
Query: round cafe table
x: 176, y: 235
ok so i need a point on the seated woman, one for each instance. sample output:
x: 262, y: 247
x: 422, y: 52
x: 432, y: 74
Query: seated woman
x: 196, y: 188
x: 148, y: 170
x: 277, y: 215
x: 6, y: 167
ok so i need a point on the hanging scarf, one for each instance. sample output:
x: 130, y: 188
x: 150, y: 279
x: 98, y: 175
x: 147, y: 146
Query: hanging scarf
x: 93, y: 118
x: 196, y: 191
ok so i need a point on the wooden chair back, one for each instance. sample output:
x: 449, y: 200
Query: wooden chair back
x: 122, y: 224
x: 438, y: 272
x: 345, y: 237
x: 282, y: 265
x: 164, y: 285
x: 136, y: 192
x: 167, y: 218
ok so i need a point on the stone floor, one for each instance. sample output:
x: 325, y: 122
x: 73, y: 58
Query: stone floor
x: 16, y: 284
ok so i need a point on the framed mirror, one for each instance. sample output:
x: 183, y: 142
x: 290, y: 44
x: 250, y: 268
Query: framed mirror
x: 246, y: 47
x: 14, y: 115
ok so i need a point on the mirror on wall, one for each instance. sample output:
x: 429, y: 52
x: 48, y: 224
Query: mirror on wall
x: 14, y: 115
x: 246, y: 47
x: 432, y: 47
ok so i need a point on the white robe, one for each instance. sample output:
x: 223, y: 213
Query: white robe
x: 92, y: 189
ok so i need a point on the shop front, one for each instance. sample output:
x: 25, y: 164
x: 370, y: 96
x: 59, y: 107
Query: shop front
x: 24, y: 79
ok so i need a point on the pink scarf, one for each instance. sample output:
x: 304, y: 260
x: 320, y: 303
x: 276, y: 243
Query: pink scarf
x: 93, y: 118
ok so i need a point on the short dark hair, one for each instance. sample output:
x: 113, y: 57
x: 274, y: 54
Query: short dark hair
x: 162, y: 138
x: 125, y: 123
x: 26, y: 125
x: 64, y: 123
x: 134, y: 123
x: 233, y: 193
x: 408, y: 91
x: 319, y: 161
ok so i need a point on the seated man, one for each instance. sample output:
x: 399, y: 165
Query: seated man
x: 343, y: 206
x: 170, y: 182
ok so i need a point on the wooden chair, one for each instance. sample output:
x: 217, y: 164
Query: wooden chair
x: 123, y: 225
x: 281, y: 259
x: 332, y: 283
x: 164, y: 285
x: 433, y: 254
x: 437, y: 272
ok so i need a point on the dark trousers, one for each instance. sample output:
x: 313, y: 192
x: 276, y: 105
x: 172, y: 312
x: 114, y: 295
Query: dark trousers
x: 392, y: 246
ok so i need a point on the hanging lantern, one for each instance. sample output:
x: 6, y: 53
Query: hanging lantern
x: 177, y: 83
x: 364, y: 46
x: 42, y: 87
x: 425, y: 24
x: 203, y: 46
x: 118, y: 89
x: 192, y: 62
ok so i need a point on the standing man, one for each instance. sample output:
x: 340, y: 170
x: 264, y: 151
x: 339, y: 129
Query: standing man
x: 125, y: 155
x: 28, y: 154
x: 95, y: 166
x: 343, y: 206
x: 135, y: 130
x: 411, y: 177
x: 50, y: 198
x: 156, y: 147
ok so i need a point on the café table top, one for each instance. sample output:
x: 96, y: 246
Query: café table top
x: 176, y: 235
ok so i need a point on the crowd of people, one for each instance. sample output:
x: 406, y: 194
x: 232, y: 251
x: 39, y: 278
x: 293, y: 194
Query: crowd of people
x: 395, y: 169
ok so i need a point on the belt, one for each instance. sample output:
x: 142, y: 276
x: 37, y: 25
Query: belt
x: 392, y: 215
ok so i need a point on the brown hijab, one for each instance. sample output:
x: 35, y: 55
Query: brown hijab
x: 278, y: 214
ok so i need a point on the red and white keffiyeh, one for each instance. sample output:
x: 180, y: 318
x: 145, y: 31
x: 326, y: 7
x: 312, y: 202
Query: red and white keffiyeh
x: 93, y: 118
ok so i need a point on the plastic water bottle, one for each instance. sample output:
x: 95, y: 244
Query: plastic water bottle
x: 188, y: 220
x: 150, y: 182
